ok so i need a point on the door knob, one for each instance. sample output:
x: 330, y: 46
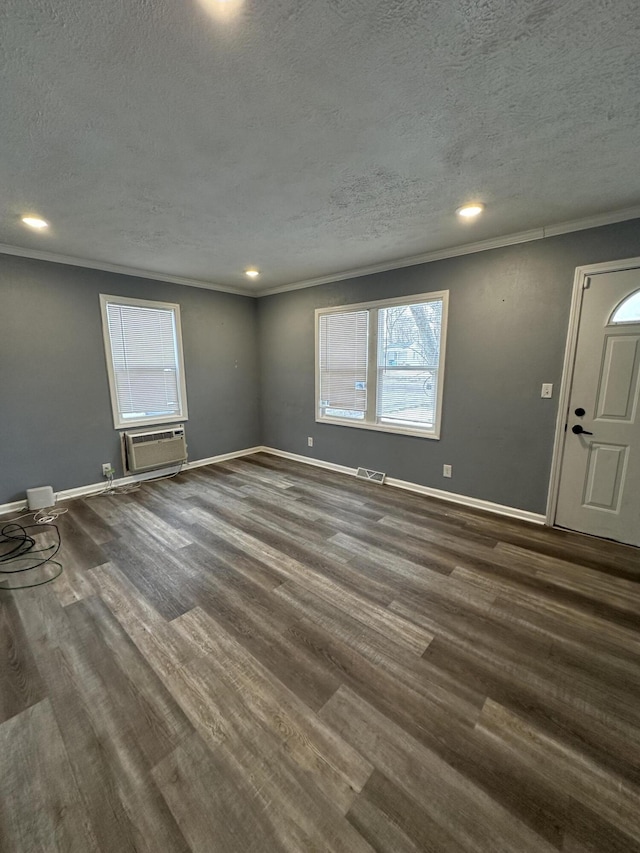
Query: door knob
x: 578, y: 429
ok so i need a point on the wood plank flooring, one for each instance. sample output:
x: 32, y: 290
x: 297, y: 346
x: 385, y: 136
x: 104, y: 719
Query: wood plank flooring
x: 263, y: 656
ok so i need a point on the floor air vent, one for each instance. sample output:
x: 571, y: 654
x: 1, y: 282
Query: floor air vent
x: 367, y: 474
x: 158, y: 449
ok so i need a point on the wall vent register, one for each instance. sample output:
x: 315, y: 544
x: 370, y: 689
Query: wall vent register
x: 372, y: 476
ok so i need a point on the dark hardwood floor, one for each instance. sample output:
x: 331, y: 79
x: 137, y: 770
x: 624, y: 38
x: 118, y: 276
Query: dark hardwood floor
x: 263, y: 656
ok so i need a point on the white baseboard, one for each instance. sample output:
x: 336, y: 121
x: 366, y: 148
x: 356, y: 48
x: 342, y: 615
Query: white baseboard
x: 475, y: 503
x: 15, y: 506
x: 96, y: 488
x: 222, y: 458
x: 308, y: 460
x: 441, y: 494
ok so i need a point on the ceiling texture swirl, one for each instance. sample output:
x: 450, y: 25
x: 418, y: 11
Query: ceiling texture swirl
x: 194, y: 139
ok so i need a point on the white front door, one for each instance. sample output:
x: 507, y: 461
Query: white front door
x: 600, y: 473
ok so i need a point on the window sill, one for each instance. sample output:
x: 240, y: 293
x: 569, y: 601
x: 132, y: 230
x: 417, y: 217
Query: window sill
x: 379, y: 428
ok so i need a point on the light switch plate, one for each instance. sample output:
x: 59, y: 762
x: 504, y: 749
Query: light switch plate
x: 547, y: 390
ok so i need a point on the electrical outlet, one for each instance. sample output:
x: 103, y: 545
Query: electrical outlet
x: 107, y: 470
x: 446, y: 470
x: 310, y: 441
x: 547, y: 391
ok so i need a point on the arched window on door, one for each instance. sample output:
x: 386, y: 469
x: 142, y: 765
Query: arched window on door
x: 628, y: 311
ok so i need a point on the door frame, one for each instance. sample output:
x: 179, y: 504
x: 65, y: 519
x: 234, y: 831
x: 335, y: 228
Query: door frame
x: 580, y: 281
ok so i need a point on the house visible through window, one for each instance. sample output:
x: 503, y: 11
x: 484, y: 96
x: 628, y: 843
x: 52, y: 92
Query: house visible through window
x: 143, y: 348
x: 381, y: 365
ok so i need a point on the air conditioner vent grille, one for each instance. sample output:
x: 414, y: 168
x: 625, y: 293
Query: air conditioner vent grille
x: 151, y: 436
x: 149, y: 450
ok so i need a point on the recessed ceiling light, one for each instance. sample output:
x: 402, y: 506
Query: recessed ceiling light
x: 252, y: 273
x: 469, y: 211
x: 35, y: 222
x: 222, y: 9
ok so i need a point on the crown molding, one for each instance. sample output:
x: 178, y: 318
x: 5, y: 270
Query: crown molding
x: 465, y: 249
x: 541, y: 233
x: 103, y: 266
x: 412, y: 261
x: 592, y: 221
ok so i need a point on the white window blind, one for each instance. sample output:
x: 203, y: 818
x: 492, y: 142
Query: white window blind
x: 144, y: 359
x: 380, y: 365
x: 343, y: 364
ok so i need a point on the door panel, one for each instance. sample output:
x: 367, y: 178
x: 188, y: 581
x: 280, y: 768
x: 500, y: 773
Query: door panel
x: 599, y: 490
x: 618, y: 391
x: 605, y: 470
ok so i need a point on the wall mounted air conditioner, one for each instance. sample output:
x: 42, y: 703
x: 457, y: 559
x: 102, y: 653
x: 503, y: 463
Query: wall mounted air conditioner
x: 161, y: 448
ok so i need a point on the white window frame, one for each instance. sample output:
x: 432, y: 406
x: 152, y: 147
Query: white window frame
x: 183, y: 414
x: 372, y: 363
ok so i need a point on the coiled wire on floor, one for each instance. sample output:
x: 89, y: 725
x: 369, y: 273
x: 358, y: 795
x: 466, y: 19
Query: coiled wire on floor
x: 19, y: 556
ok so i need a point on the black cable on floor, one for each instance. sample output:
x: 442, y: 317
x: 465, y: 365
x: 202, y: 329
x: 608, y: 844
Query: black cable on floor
x: 16, y: 545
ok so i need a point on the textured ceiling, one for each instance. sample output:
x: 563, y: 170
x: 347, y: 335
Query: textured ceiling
x: 309, y: 137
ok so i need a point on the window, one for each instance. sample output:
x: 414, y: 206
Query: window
x: 629, y: 310
x: 381, y: 365
x: 143, y: 348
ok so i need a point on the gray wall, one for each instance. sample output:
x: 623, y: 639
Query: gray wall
x: 509, y: 311
x: 508, y: 318
x: 56, y: 425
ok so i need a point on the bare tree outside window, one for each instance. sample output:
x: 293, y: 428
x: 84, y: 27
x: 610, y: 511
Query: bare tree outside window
x: 408, y: 357
x: 379, y: 364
